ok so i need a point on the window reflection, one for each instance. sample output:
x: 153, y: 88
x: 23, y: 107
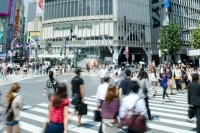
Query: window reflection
x: 56, y: 9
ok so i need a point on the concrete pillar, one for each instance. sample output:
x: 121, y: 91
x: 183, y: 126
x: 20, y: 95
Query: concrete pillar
x: 115, y: 54
x: 148, y: 53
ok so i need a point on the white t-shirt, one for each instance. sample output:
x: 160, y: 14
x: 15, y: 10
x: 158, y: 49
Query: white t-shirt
x: 103, y: 73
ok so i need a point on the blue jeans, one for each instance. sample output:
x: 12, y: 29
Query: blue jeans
x: 54, y: 128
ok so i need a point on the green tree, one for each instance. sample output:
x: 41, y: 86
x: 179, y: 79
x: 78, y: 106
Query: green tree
x: 170, y: 40
x: 195, y: 38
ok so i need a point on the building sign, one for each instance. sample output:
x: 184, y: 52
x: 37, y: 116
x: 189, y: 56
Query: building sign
x: 166, y: 3
x: 2, y: 29
x: 69, y: 27
x: 39, y: 10
x: 12, y: 12
x: 34, y: 34
x: 10, y: 33
x: 99, y: 43
x: 16, y: 23
x: 5, y: 7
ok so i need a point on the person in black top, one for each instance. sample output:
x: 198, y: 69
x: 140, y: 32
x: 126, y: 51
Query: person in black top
x: 78, y: 88
x: 194, y: 97
x: 123, y: 87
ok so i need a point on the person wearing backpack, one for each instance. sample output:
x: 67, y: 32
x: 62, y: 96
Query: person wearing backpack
x: 14, y: 101
x: 50, y: 85
x: 135, y: 103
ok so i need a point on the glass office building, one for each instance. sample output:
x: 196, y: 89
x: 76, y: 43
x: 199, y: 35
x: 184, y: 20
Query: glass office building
x: 100, y: 29
x: 186, y: 13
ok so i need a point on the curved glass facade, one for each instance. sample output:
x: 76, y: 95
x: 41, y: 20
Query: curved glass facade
x: 74, y: 8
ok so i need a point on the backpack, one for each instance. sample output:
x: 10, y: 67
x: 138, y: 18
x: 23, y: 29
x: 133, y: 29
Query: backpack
x: 10, y: 112
x: 134, y: 120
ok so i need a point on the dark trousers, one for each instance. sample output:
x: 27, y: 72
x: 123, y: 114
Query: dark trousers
x: 178, y: 84
x: 164, y: 92
x: 147, y: 106
x: 198, y: 119
x: 100, y: 128
x: 54, y: 128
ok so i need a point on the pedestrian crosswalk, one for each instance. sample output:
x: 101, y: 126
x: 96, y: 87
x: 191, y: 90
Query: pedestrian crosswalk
x: 170, y: 117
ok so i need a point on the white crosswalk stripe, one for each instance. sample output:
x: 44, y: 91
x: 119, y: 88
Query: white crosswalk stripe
x: 169, y: 117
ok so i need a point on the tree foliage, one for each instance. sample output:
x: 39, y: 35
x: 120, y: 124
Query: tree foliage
x: 173, y: 40
x: 195, y: 38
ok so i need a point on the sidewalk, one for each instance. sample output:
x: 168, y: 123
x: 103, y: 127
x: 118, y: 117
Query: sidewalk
x: 16, y: 78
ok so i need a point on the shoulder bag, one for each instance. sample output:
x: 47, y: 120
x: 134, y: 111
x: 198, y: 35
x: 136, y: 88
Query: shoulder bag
x: 10, y: 112
x: 134, y: 120
x: 191, y: 112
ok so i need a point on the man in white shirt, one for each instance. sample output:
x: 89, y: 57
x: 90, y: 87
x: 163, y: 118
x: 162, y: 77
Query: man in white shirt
x: 102, y: 91
x: 103, y: 72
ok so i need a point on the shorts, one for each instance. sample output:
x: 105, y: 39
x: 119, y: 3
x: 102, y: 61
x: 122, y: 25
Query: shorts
x: 13, y: 123
x: 76, y: 107
x: 18, y: 69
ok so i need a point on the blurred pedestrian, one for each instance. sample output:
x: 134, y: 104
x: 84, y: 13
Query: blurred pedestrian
x: 77, y: 87
x: 14, y: 101
x: 50, y: 85
x: 194, y: 98
x: 58, y: 111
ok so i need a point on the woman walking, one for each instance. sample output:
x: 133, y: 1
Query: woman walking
x: 110, y: 109
x: 4, y: 71
x: 164, y: 84
x: 50, y: 85
x: 170, y: 80
x: 15, y: 101
x: 24, y: 70
x: 58, y: 111
x: 144, y: 91
x: 154, y: 81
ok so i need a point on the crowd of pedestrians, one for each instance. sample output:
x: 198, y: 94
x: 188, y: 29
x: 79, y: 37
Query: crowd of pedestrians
x: 128, y: 98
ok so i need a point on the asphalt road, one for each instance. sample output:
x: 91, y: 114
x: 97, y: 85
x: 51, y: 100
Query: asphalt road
x: 32, y: 87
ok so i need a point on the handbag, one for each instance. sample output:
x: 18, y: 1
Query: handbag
x: 82, y: 109
x: 76, y: 98
x: 134, y: 120
x: 108, y: 129
x: 191, y: 112
x: 97, y: 115
x: 10, y: 112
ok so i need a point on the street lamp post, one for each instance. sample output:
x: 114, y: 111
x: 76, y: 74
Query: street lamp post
x: 166, y: 25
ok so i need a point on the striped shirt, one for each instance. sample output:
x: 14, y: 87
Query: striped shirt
x: 56, y: 114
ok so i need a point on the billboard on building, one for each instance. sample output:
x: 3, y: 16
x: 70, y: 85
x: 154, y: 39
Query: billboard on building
x: 39, y: 8
x: 10, y: 33
x: 16, y: 23
x: 5, y: 7
x: 12, y: 12
x: 2, y: 29
x: 166, y: 3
